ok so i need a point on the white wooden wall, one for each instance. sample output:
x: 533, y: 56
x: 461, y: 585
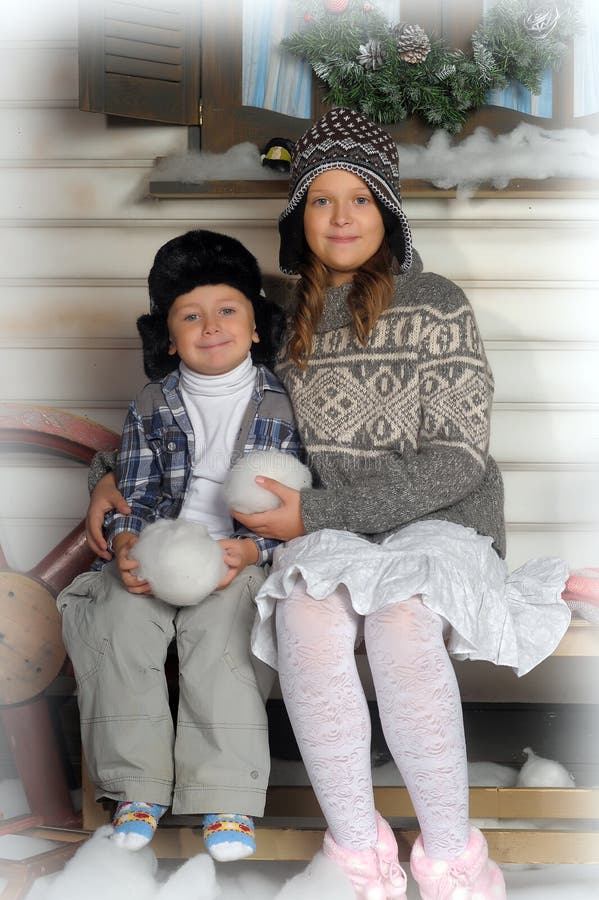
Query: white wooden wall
x: 78, y: 234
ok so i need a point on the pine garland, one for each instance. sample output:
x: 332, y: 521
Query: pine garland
x: 390, y: 72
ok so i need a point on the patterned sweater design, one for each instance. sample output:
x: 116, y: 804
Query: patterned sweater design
x: 398, y: 430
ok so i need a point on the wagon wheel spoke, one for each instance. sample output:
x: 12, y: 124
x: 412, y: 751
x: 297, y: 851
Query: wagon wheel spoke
x: 68, y: 435
x: 31, y: 649
x: 71, y: 556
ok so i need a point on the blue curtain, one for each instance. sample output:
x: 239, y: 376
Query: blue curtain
x: 586, y: 62
x: 516, y: 97
x: 273, y: 79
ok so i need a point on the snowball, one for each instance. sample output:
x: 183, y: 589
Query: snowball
x: 540, y: 772
x: 179, y: 560
x: 245, y: 496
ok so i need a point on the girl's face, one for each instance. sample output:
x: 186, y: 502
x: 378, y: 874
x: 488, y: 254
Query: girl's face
x: 212, y: 328
x: 342, y: 223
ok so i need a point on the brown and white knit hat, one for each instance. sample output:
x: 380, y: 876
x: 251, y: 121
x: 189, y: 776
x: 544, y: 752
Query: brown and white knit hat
x: 344, y: 139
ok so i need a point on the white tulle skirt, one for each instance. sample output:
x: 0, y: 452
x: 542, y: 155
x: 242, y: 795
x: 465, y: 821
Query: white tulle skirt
x: 512, y: 619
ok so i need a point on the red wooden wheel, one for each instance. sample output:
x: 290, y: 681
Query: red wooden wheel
x: 31, y: 650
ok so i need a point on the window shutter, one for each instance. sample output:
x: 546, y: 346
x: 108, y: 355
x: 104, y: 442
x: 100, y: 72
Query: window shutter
x: 141, y: 59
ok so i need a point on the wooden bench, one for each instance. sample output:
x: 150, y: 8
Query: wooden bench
x: 293, y: 825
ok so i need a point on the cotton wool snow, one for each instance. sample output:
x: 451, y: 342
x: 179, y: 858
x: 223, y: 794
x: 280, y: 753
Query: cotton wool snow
x: 180, y: 561
x: 243, y: 495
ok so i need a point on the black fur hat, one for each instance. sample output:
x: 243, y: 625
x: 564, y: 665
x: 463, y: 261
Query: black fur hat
x: 193, y: 260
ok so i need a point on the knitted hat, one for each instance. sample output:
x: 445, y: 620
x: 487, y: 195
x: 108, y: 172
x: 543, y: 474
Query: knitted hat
x: 343, y: 139
x: 192, y: 260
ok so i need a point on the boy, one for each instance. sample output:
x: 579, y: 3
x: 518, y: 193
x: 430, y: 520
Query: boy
x: 207, y: 404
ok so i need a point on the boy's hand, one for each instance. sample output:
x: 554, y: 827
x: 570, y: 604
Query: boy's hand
x: 122, y: 545
x: 237, y: 555
x: 105, y: 497
x: 283, y: 523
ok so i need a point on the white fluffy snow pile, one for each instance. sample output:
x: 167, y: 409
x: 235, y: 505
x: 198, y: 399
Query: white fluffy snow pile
x: 528, y: 151
x: 101, y: 870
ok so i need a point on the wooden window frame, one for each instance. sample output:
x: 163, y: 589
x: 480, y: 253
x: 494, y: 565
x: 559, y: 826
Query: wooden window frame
x: 206, y: 93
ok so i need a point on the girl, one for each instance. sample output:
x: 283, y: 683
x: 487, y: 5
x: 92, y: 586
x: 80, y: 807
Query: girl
x: 401, y: 542
x: 403, y: 539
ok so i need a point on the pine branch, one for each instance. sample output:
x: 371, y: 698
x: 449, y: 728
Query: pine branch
x: 389, y: 73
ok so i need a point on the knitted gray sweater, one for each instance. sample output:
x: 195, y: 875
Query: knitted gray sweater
x: 398, y: 430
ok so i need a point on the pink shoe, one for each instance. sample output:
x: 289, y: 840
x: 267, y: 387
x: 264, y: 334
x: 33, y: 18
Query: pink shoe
x: 360, y: 866
x: 471, y: 875
x: 394, y: 876
x: 582, y: 594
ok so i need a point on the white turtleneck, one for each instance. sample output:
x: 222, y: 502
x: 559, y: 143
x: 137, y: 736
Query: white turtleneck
x: 215, y: 405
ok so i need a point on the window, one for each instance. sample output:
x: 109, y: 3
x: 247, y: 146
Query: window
x: 142, y: 59
x: 204, y: 63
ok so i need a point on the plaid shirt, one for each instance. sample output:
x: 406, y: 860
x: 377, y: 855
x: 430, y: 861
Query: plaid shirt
x: 154, y: 462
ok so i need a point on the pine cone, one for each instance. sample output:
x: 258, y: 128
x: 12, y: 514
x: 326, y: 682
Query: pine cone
x: 371, y: 55
x: 412, y: 43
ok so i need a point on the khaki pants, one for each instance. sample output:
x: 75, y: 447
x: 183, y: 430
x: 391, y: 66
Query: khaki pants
x: 218, y: 759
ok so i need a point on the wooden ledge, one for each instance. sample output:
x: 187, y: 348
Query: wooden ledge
x: 485, y: 803
x: 546, y: 188
x: 581, y: 639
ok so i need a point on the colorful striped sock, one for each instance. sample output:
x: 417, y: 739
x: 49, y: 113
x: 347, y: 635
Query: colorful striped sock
x: 135, y: 822
x: 229, y: 836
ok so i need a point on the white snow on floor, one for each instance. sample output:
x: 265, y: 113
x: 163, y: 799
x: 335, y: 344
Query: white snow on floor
x: 101, y: 870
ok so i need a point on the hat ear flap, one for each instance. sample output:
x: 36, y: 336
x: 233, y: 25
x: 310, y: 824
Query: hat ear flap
x: 153, y: 331
x: 396, y: 238
x: 292, y: 248
x: 270, y: 325
x: 397, y: 248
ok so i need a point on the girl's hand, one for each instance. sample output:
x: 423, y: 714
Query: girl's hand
x: 237, y: 555
x: 123, y: 544
x: 282, y: 524
x: 105, y: 497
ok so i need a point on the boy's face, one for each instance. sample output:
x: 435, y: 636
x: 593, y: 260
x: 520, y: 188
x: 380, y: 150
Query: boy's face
x: 212, y: 328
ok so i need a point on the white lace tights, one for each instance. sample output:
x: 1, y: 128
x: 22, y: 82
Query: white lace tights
x: 419, y: 706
